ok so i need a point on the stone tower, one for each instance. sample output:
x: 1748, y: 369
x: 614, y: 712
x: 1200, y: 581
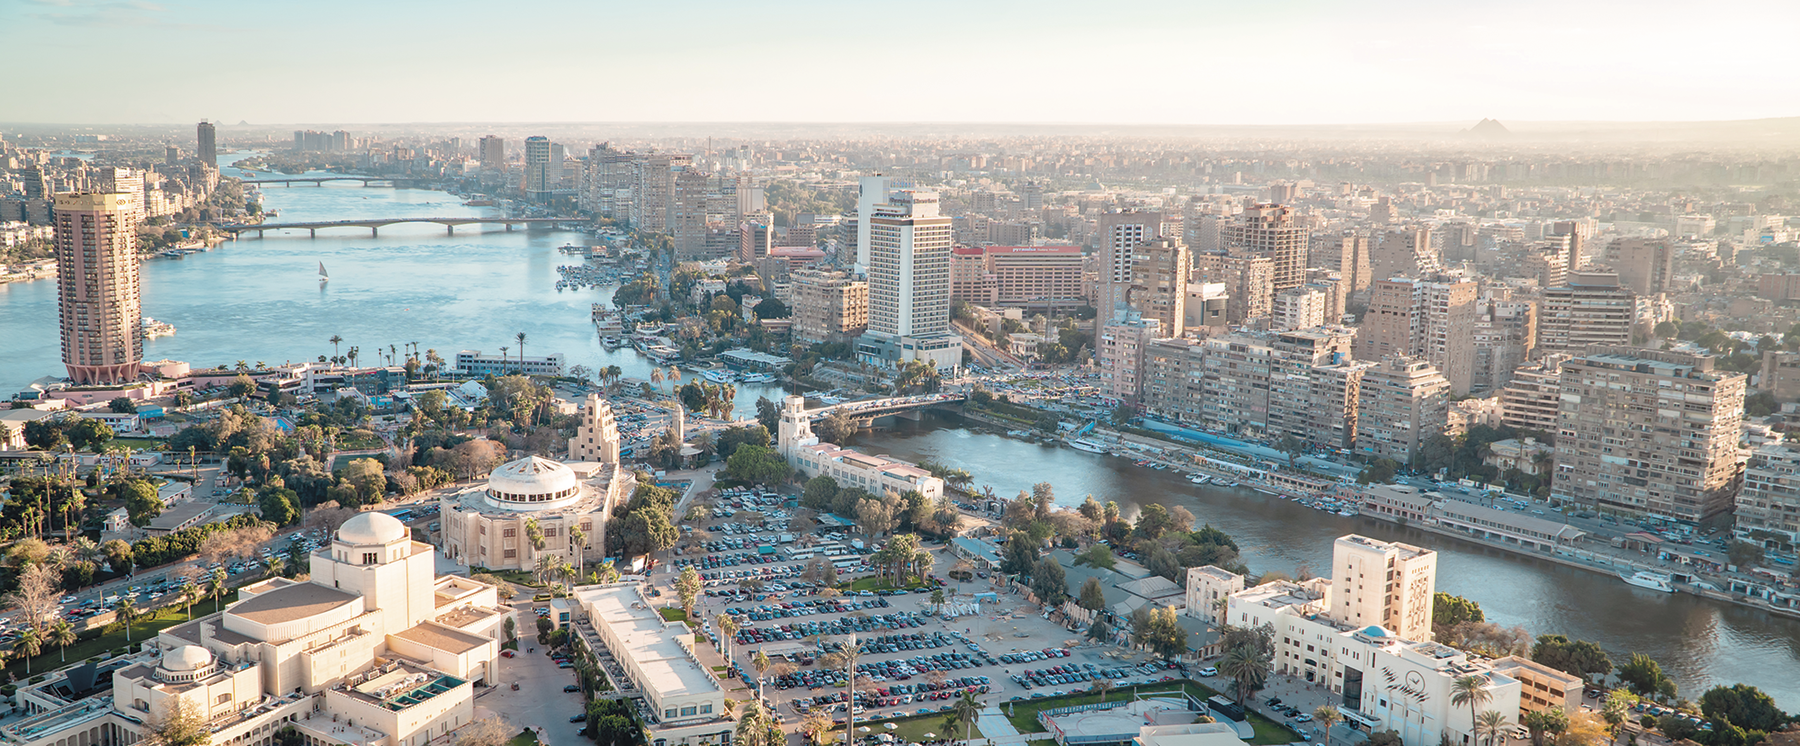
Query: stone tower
x: 597, y: 438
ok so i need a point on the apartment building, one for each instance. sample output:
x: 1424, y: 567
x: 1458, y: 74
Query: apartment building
x: 1505, y: 336
x: 1119, y: 235
x: 1159, y: 280
x: 1402, y: 402
x: 99, y: 301
x: 1532, y: 400
x: 1591, y: 310
x: 1403, y: 252
x: 828, y: 306
x: 1018, y: 276
x: 1432, y: 319
x: 1649, y: 433
x: 1768, y: 507
x: 1120, y: 349
x: 1271, y: 230
x: 1298, y: 359
x: 1174, y: 383
x: 1645, y: 265
x: 1249, y: 283
x: 1302, y: 307
x: 1385, y: 583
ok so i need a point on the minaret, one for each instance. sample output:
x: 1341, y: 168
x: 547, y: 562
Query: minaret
x: 795, y: 429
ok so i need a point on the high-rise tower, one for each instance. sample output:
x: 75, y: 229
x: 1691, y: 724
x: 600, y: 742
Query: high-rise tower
x: 493, y: 154
x: 873, y: 192
x: 540, y: 174
x: 207, y: 144
x: 909, y: 284
x: 97, y: 283
x: 1271, y: 230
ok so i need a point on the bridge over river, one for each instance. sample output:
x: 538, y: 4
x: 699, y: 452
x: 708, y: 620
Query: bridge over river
x: 376, y: 224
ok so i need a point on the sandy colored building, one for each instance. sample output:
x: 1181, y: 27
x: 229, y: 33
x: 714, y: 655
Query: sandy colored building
x: 97, y: 286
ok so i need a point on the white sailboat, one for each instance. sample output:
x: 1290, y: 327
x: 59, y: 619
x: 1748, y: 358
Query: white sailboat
x: 323, y: 277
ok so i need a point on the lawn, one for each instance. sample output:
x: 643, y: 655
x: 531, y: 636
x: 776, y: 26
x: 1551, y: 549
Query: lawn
x: 143, y: 629
x: 672, y: 614
x: 526, y: 737
x: 912, y: 729
x: 1024, y: 712
x: 878, y: 583
x: 142, y: 444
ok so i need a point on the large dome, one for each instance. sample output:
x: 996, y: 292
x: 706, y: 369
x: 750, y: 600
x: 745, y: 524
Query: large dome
x: 187, y: 658
x: 366, y: 529
x: 531, y: 482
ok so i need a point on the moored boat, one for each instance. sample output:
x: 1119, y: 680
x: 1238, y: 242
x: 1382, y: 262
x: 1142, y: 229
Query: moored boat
x: 1655, y: 581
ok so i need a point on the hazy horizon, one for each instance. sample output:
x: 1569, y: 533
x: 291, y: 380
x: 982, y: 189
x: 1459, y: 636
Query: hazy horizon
x: 1159, y: 63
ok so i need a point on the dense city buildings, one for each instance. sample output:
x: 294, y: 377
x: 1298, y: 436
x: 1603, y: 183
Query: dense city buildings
x: 1432, y: 319
x: 1403, y: 401
x: 1769, y: 505
x: 1159, y: 283
x: 97, y: 284
x: 1270, y: 230
x: 829, y: 307
x: 1649, y: 434
x: 1119, y: 235
x: 1591, y: 310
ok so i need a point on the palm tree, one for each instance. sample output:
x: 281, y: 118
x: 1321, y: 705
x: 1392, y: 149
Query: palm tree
x: 1328, y: 716
x: 521, y: 337
x: 242, y: 366
x: 1553, y: 720
x: 966, y: 711
x: 656, y: 377
x: 275, y: 564
x: 62, y: 633
x: 126, y: 612
x: 335, y: 341
x: 1492, y: 723
x: 503, y: 352
x: 1470, y: 690
x: 29, y: 644
x: 760, y: 662
x: 728, y: 629
x: 578, y: 542
x: 1248, y: 669
x: 215, y: 584
x: 846, y: 657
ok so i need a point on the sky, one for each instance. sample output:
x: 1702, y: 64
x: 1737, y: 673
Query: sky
x: 1295, y: 62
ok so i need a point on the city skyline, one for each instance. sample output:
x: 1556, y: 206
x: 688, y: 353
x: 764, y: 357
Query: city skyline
x: 1399, y: 61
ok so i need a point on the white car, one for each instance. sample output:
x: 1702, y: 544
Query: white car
x: 1209, y: 672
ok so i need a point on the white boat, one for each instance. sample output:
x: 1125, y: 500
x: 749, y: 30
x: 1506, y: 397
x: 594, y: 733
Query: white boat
x: 1083, y: 445
x: 1655, y: 581
x: 719, y: 376
x: 153, y: 328
x: 758, y: 378
x: 323, y: 278
x: 1346, y: 513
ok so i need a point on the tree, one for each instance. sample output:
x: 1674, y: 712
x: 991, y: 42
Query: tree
x: 1327, y: 717
x: 488, y: 731
x: 126, y: 612
x: 966, y: 711
x: 118, y: 554
x: 1744, y: 554
x: 1248, y: 668
x: 1645, y: 677
x: 1616, y: 709
x: 122, y: 405
x: 1742, y: 705
x: 179, y: 722
x: 730, y: 438
x: 687, y: 587
x: 1550, y: 721
x: 1385, y: 738
x: 1162, y: 634
x: 1676, y: 727
x: 1047, y: 582
x: 1019, y: 556
x: 758, y: 465
x: 1578, y: 657
x: 1490, y: 724
x: 1100, y: 631
x: 29, y: 643
x: 1093, y: 597
x: 875, y: 517
x: 215, y: 585
x: 1098, y: 555
x: 89, y: 435
x: 62, y: 634
x: 1585, y: 729
x: 1473, y: 691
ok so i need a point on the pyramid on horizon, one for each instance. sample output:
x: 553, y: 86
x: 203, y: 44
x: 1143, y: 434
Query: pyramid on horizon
x: 1490, y: 128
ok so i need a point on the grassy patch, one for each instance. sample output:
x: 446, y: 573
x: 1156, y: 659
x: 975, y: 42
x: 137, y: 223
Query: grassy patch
x: 526, y: 737
x: 1024, y: 712
x: 878, y: 583
x: 91, y: 644
x: 672, y: 614
x: 142, y: 444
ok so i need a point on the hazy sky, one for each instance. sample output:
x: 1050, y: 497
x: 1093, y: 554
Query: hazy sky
x: 1150, y: 62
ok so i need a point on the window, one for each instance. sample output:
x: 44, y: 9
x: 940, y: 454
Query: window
x: 669, y: 713
x: 370, y: 558
x: 687, y: 711
x: 509, y: 532
x: 706, y: 709
x: 223, y: 698
x: 510, y: 553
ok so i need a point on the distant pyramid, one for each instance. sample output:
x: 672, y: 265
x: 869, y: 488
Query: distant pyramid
x: 1490, y: 128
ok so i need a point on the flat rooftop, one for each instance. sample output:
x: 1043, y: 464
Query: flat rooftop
x: 297, y: 601
x: 647, y: 640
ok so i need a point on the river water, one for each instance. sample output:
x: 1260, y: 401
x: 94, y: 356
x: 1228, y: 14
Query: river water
x: 260, y: 300
x: 1699, y: 642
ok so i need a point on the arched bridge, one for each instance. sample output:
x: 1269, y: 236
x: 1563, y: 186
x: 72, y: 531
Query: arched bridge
x: 376, y: 224
x: 320, y: 180
x: 872, y: 408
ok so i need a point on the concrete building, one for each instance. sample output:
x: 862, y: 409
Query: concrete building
x: 1431, y: 319
x: 1159, y: 280
x: 542, y: 172
x: 1271, y: 230
x: 1207, y: 306
x: 1120, y: 349
x: 1301, y: 397
x: 1301, y: 307
x: 1505, y: 337
x: 796, y: 442
x: 909, y: 284
x: 474, y: 363
x: 1402, y: 402
x: 1249, y: 283
x: 1208, y: 588
x: 486, y: 525
x: 1649, y: 433
x: 597, y: 437
x: 1541, y: 687
x: 374, y: 650
x: 206, y: 140
x: 1403, y: 252
x: 493, y: 154
x: 1780, y: 374
x: 686, y: 702
x: 1018, y: 276
x: 828, y: 306
x: 1385, y: 583
x: 872, y: 191
x: 1119, y: 235
x: 97, y: 287
x: 1645, y: 265
x: 1768, y: 507
x: 1532, y: 400
x: 1592, y: 310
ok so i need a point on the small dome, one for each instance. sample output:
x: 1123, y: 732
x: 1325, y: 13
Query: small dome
x: 187, y: 658
x: 1374, y: 630
x: 532, y: 480
x: 365, y: 529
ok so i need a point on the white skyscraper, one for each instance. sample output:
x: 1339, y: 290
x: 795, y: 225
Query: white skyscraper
x: 909, y: 283
x: 874, y: 192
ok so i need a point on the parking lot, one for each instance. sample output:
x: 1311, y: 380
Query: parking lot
x: 914, y: 659
x: 541, y: 700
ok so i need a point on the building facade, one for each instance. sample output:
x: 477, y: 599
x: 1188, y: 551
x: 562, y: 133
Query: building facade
x: 1402, y: 402
x: 1591, y: 310
x: 828, y: 306
x: 490, y: 525
x: 909, y: 284
x: 97, y: 287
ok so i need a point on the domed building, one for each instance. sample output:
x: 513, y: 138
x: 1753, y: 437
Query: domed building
x: 373, y: 650
x: 485, y: 526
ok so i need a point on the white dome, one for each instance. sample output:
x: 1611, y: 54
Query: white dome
x: 532, y: 482
x: 366, y: 529
x: 187, y: 658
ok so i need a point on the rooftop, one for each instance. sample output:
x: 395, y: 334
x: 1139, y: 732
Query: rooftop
x: 297, y: 601
x: 646, y: 639
x: 441, y: 637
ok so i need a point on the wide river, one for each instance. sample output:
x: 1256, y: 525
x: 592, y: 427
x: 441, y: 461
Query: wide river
x: 260, y: 300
